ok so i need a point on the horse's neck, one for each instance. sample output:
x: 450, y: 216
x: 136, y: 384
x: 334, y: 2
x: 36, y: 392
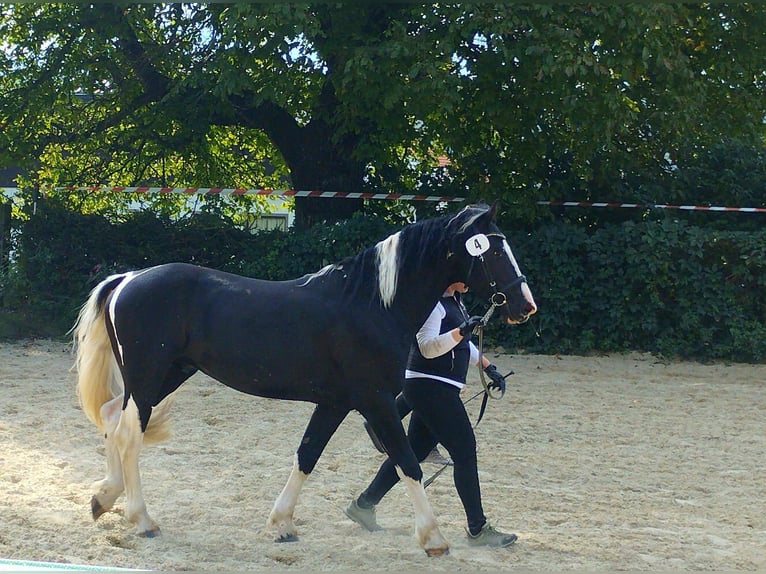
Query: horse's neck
x: 422, y: 274
x: 419, y: 289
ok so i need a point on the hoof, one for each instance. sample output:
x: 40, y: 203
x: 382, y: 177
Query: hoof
x: 95, y: 508
x: 437, y: 551
x: 286, y: 538
x: 150, y: 533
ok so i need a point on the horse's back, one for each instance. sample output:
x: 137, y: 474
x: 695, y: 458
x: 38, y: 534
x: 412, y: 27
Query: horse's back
x: 285, y: 339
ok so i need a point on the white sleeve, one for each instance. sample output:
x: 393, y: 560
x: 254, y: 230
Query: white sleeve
x: 475, y: 357
x: 430, y: 342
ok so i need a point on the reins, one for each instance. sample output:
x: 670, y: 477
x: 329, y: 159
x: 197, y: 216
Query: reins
x: 497, y: 299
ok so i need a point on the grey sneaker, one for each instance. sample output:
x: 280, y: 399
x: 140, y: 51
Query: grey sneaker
x: 436, y: 457
x: 490, y: 537
x: 363, y: 516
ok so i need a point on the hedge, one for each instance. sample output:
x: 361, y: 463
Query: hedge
x: 665, y: 287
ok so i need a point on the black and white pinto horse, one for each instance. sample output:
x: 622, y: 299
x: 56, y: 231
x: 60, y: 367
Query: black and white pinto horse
x: 338, y: 338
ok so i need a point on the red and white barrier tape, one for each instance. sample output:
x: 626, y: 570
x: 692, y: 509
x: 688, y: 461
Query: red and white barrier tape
x: 370, y: 195
x: 652, y: 206
x: 271, y: 192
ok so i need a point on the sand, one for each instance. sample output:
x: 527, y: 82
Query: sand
x: 597, y: 463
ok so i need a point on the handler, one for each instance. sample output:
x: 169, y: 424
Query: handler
x: 436, y: 371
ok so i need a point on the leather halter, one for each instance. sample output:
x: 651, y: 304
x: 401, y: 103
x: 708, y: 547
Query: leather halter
x: 498, y: 297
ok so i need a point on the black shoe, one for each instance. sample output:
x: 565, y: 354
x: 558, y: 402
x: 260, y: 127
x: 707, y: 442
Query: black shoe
x: 374, y: 438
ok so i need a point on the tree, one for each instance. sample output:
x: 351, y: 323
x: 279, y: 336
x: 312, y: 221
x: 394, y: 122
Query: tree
x: 527, y: 101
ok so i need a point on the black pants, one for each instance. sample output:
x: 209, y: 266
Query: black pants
x: 438, y: 416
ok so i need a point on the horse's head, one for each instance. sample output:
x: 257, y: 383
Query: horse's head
x: 486, y: 263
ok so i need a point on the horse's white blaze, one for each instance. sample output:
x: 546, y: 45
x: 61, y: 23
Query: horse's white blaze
x: 525, y: 290
x: 282, y: 514
x: 509, y: 253
x: 129, y: 276
x: 426, y: 529
x: 388, y: 268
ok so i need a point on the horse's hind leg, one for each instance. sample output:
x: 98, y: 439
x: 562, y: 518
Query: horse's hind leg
x: 129, y: 439
x: 323, y: 424
x: 112, y: 486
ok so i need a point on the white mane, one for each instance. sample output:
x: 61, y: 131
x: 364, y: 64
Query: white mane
x: 388, y: 268
x: 470, y: 219
x: 323, y: 271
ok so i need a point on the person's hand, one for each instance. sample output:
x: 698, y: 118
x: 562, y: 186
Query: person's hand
x: 498, y: 380
x: 468, y: 325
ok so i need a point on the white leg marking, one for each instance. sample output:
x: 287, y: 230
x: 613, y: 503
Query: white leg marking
x: 112, y: 486
x: 281, y: 515
x: 129, y: 439
x: 426, y: 529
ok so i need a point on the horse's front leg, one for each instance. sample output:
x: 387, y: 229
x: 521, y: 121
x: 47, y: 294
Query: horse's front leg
x: 281, y: 516
x: 324, y: 422
x: 389, y: 429
x: 426, y: 528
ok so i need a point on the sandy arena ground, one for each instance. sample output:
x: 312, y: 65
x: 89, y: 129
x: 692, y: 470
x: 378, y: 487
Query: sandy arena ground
x: 597, y: 463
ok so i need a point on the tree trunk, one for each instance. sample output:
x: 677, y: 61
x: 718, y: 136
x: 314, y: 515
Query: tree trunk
x: 312, y: 210
x: 320, y: 162
x: 5, y: 231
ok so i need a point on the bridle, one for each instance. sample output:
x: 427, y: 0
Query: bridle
x: 498, y: 297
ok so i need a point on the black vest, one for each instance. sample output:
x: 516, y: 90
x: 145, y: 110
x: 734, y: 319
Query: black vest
x: 453, y: 364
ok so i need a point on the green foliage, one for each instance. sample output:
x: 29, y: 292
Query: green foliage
x: 729, y: 172
x: 529, y: 101
x: 293, y: 254
x: 622, y: 102
x: 61, y: 254
x: 665, y: 286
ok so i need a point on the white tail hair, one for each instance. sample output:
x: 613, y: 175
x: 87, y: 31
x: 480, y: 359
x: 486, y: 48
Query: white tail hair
x: 99, y: 379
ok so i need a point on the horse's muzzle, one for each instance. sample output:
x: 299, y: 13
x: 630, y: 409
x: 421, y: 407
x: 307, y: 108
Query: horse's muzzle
x: 528, y: 310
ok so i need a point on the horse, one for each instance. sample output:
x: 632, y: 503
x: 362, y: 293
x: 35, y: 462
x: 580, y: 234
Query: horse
x: 338, y: 338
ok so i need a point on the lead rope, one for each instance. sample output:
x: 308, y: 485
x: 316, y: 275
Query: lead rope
x: 479, y: 331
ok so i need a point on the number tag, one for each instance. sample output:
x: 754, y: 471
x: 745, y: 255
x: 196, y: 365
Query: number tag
x: 477, y: 245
